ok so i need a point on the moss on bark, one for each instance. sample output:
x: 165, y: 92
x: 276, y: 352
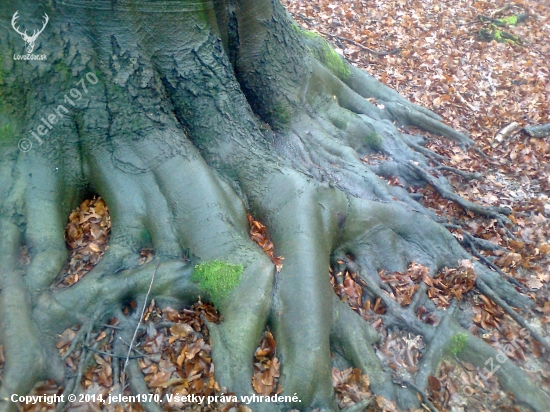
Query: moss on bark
x: 217, y: 278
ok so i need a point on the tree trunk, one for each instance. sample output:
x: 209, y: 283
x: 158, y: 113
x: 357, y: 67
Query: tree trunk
x: 186, y: 116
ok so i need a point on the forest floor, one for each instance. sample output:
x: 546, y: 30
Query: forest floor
x: 479, y: 87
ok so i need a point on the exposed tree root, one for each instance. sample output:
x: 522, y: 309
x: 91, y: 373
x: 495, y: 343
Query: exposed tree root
x: 489, y: 211
x: 466, y: 175
x: 510, y: 311
x: 471, y: 241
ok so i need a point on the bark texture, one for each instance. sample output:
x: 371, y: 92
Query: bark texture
x: 201, y: 112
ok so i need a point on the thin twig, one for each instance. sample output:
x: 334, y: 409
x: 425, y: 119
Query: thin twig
x: 501, y: 10
x: 139, y: 322
x: 105, y: 325
x: 463, y: 100
x: 422, y: 394
x: 134, y: 349
x: 490, y: 80
x: 159, y: 325
x: 465, y: 175
x: 113, y: 355
x: 487, y: 262
x: 365, y: 48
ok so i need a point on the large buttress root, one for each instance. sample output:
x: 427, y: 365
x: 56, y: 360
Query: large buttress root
x: 168, y: 138
x: 306, y: 218
x: 161, y: 194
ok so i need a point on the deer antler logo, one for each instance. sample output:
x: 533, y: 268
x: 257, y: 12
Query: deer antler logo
x: 29, y: 39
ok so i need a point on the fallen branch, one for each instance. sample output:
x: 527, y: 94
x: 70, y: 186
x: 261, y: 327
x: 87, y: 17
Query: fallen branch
x: 507, y: 132
x: 538, y: 131
x: 465, y: 175
x: 139, y: 322
x: 463, y: 100
x: 505, y: 21
x: 506, y: 7
x: 365, y: 48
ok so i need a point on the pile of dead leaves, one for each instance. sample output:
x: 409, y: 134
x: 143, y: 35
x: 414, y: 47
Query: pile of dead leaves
x: 349, y: 288
x: 266, y: 367
x: 351, y: 386
x: 87, y: 236
x: 258, y: 233
x: 404, y: 285
x: 401, y: 351
x: 101, y: 377
x: 178, y: 357
x: 64, y: 343
x: 381, y: 404
x: 487, y: 313
x: 46, y: 388
x: 451, y: 283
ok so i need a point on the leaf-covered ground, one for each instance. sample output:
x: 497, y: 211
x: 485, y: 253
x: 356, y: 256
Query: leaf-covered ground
x: 438, y: 60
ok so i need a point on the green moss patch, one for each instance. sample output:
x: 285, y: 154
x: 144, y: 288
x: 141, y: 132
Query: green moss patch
x: 282, y: 114
x: 508, y: 21
x: 217, y: 278
x: 308, y: 34
x: 491, y: 31
x: 334, y: 62
x: 505, y: 21
x: 374, y: 141
x: 324, y: 52
x: 458, y: 343
x: 5, y: 133
x: 500, y: 36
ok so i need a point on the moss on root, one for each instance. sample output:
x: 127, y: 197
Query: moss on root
x: 374, y: 141
x: 324, y: 52
x: 5, y: 133
x: 217, y: 278
x: 308, y: 34
x: 282, y: 114
x: 458, y: 343
x: 509, y: 21
x: 506, y: 21
x: 500, y: 36
x: 334, y: 62
x: 340, y: 122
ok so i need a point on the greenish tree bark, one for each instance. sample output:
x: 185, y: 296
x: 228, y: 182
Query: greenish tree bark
x: 201, y: 112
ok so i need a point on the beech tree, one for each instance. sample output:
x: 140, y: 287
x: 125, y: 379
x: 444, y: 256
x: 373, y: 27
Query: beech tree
x: 186, y: 116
